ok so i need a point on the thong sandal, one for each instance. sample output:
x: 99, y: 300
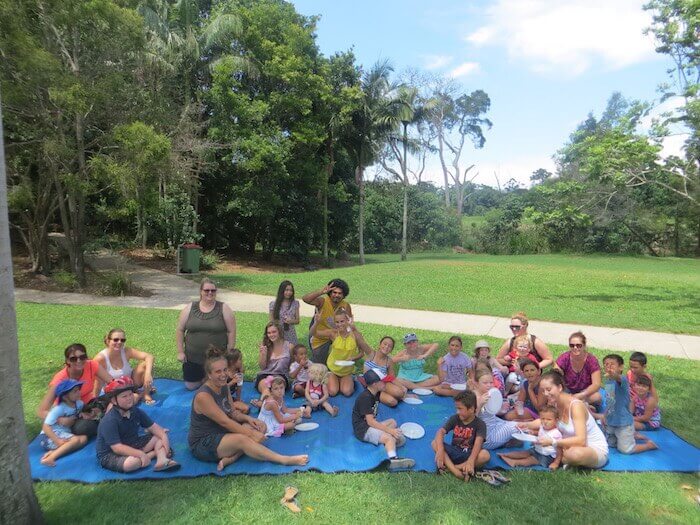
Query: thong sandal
x: 290, y: 493
x: 498, y: 476
x: 489, y: 478
x: 291, y: 505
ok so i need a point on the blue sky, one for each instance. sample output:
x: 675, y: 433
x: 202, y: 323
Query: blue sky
x: 544, y: 63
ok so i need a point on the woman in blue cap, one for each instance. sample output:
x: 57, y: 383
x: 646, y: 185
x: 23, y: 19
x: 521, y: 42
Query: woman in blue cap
x: 412, y: 361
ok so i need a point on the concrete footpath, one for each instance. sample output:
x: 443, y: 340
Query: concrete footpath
x: 174, y: 292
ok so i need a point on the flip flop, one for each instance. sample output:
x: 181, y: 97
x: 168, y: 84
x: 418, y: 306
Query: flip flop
x: 292, y: 505
x: 256, y: 403
x: 290, y: 493
x: 169, y: 466
x: 150, y: 401
x: 487, y: 477
x: 498, y: 476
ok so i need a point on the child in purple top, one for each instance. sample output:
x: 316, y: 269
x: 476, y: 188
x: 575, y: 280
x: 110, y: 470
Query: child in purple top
x: 455, y: 368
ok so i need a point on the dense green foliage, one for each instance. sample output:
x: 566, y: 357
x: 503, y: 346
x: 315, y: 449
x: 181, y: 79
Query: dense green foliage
x: 632, y: 292
x: 566, y: 496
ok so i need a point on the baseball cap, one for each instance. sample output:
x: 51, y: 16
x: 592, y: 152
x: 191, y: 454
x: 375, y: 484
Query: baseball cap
x: 409, y: 338
x: 371, y: 377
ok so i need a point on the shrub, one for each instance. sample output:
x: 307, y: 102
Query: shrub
x: 65, y: 279
x: 209, y: 260
x: 117, y: 284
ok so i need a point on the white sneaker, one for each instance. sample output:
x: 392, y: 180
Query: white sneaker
x: 401, y: 463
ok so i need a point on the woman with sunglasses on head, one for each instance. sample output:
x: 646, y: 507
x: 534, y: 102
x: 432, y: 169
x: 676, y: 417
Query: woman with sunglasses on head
x: 518, y: 326
x: 201, y: 324
x: 80, y: 368
x: 115, y: 359
x: 581, y: 371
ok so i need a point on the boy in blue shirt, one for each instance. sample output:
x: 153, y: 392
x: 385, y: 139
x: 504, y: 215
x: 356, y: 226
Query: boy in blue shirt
x: 120, y: 447
x: 619, y: 422
x: 55, y: 437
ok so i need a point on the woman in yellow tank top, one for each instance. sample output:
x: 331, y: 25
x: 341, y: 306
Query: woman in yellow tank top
x: 347, y: 344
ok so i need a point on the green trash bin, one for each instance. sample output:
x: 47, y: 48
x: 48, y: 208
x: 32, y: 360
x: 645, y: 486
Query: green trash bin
x: 188, y: 257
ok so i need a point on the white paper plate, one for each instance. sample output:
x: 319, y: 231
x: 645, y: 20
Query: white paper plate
x: 344, y: 363
x: 522, y: 436
x: 412, y: 430
x: 422, y: 391
x: 412, y: 401
x: 493, y: 405
x: 305, y: 427
x: 458, y: 386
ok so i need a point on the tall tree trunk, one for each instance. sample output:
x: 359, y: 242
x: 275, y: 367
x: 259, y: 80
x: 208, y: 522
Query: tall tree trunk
x: 441, y: 154
x: 639, y: 237
x: 18, y: 503
x: 360, y: 176
x: 404, y: 234
x: 329, y: 172
x: 404, y: 162
x: 676, y: 235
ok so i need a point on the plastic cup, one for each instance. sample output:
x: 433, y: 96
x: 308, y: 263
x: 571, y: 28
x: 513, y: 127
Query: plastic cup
x: 520, y: 408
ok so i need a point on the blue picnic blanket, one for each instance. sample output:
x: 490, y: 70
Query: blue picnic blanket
x: 331, y: 448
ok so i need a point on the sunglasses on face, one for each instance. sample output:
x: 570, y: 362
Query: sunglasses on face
x: 76, y: 358
x: 516, y: 326
x: 575, y: 345
x: 209, y: 290
x: 119, y: 339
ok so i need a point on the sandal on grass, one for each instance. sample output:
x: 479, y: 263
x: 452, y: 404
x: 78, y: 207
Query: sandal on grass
x: 292, y: 505
x: 290, y: 493
x: 489, y: 478
x: 498, y: 476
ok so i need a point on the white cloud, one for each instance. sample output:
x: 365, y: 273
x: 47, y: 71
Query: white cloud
x: 435, y: 61
x: 568, y: 35
x: 464, y: 69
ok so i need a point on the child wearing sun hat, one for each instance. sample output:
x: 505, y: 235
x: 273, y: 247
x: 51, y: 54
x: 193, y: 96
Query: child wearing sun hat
x: 56, y: 438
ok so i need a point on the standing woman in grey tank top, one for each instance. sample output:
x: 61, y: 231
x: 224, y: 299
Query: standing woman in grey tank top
x: 201, y: 324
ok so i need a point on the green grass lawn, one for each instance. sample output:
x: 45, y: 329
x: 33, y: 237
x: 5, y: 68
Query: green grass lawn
x: 659, y: 294
x: 562, y: 497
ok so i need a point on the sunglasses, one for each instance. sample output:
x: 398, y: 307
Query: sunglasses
x: 209, y: 290
x: 76, y: 358
x: 119, y: 339
x: 516, y: 326
x: 575, y: 345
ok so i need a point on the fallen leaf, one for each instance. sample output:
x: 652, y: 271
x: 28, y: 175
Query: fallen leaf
x: 687, y: 487
x: 309, y: 509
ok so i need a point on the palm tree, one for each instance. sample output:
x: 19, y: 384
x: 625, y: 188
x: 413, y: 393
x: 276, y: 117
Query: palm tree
x: 370, y: 121
x: 407, y: 108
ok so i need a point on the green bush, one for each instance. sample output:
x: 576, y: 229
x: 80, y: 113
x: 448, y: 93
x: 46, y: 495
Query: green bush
x: 209, y: 260
x: 65, y: 279
x: 117, y: 284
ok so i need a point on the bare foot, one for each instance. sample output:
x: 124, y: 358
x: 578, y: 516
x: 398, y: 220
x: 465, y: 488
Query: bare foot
x: 225, y: 462
x: 335, y: 411
x: 297, y: 460
x: 651, y: 444
x: 47, y: 461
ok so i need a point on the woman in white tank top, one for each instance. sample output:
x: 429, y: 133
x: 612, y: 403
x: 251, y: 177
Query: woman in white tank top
x: 583, y: 442
x: 115, y: 359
